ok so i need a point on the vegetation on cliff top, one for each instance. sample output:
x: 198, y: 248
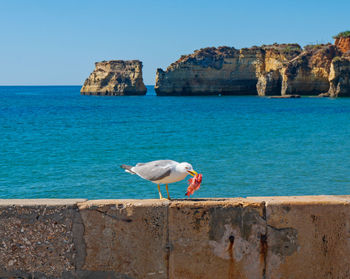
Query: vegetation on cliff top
x: 312, y: 47
x: 287, y: 47
x: 291, y: 50
x: 206, y: 55
x: 345, y: 34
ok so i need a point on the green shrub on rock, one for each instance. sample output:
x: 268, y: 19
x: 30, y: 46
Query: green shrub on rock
x: 345, y: 34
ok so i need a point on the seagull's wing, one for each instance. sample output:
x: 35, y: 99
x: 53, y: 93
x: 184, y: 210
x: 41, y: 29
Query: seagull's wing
x: 155, y: 170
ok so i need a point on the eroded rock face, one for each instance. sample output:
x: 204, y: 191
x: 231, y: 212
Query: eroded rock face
x: 211, y: 71
x: 307, y: 74
x: 343, y: 44
x: 269, y: 70
x: 227, y: 71
x: 339, y: 78
x: 115, y: 78
x: 270, y: 65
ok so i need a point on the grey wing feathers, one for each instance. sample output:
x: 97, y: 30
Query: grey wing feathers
x: 155, y: 170
x: 158, y: 176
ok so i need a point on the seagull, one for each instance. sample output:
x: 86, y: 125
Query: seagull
x: 161, y: 172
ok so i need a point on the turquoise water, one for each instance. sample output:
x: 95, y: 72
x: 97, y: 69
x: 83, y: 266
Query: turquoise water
x: 58, y: 144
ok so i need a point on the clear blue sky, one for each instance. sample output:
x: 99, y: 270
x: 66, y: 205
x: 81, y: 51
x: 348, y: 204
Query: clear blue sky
x: 57, y: 42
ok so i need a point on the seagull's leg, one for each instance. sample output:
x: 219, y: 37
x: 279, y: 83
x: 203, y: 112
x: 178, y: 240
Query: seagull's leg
x: 166, y: 187
x: 160, y: 194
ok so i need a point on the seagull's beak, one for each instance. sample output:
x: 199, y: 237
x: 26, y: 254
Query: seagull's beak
x: 192, y: 172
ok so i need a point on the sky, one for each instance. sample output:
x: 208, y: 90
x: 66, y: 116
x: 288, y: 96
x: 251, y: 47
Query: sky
x: 58, y: 42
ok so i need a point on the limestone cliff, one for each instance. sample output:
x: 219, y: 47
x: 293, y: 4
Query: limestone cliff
x: 343, y: 44
x: 270, y: 65
x: 227, y: 71
x: 278, y: 69
x: 115, y: 77
x: 339, y: 77
x: 342, y: 41
x: 307, y: 74
x: 211, y: 71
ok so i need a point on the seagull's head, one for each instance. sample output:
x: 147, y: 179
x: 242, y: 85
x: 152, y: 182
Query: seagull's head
x: 186, y: 168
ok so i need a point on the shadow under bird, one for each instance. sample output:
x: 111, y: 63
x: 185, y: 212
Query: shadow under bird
x: 161, y: 172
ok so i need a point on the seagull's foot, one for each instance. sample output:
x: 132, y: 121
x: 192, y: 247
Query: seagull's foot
x: 167, y: 191
x: 160, y: 194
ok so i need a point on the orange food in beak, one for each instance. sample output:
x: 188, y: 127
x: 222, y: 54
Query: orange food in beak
x: 195, y: 183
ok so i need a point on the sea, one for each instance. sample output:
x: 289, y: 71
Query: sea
x: 56, y: 143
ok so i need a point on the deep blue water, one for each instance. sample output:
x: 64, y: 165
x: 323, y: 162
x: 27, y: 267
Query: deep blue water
x: 56, y: 143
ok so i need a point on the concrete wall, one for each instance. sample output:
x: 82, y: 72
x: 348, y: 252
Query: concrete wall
x: 262, y: 237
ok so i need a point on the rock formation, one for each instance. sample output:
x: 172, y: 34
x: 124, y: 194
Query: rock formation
x: 270, y: 65
x: 342, y: 41
x: 278, y: 69
x: 307, y: 74
x: 227, y: 71
x: 339, y: 74
x: 210, y: 71
x: 115, y: 77
x: 339, y: 77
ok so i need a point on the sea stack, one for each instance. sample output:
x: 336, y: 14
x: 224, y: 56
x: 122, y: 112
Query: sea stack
x: 115, y: 78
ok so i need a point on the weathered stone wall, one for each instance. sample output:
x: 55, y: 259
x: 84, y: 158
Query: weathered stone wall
x: 257, y: 237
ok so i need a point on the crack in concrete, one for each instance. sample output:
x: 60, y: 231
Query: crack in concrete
x: 263, y: 243
x: 78, y: 230
x: 167, y: 239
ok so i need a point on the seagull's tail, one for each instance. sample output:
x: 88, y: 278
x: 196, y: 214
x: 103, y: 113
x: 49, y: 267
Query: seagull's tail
x: 128, y: 168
